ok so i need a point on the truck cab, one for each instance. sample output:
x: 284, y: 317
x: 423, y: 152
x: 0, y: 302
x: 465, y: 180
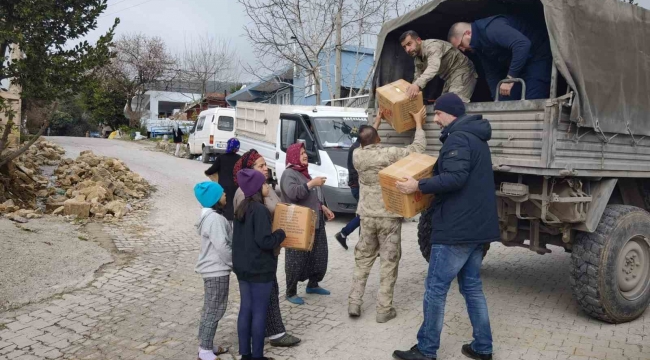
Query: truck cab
x: 328, y: 136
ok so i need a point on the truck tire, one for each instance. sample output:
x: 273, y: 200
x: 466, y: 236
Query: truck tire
x: 205, y: 155
x: 610, y: 268
x: 424, y: 235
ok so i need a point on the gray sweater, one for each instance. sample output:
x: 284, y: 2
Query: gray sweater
x: 293, y: 186
x: 215, y: 259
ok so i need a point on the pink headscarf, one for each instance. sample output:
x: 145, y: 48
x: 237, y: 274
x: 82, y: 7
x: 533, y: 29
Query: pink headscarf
x: 293, y: 160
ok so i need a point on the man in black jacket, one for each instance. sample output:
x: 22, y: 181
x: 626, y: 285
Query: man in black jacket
x: 509, y: 47
x: 464, y: 219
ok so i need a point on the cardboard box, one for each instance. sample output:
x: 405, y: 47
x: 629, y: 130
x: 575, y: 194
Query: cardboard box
x: 418, y: 166
x: 397, y: 105
x: 298, y: 222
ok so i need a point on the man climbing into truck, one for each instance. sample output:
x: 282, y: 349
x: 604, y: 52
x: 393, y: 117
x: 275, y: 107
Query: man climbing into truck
x: 508, y: 47
x: 437, y: 57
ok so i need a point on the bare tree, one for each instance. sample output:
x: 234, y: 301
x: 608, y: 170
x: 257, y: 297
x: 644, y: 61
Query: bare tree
x: 304, y: 34
x: 301, y: 33
x: 208, y: 59
x: 139, y: 61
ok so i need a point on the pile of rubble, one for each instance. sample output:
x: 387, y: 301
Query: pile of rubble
x: 89, y: 187
x: 95, y: 186
x: 21, y: 182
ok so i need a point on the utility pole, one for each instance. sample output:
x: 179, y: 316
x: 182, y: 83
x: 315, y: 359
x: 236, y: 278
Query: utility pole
x: 337, y: 75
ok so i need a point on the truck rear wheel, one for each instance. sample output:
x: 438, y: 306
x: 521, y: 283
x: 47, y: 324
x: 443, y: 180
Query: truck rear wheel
x: 610, y: 268
x: 424, y: 234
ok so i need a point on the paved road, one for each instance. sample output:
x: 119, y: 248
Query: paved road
x: 149, y: 308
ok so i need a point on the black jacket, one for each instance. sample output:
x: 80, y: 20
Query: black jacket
x: 224, y: 167
x: 178, y: 136
x: 465, y: 207
x: 353, y: 175
x: 507, y: 44
x: 253, y: 242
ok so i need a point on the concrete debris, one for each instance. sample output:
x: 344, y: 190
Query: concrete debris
x: 91, y: 186
x: 22, y: 181
x: 105, y: 185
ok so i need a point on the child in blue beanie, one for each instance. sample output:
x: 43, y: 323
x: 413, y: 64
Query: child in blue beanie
x: 214, y: 264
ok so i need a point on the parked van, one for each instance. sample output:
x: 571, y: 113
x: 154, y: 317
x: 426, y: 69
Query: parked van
x: 211, y: 132
x: 328, y: 132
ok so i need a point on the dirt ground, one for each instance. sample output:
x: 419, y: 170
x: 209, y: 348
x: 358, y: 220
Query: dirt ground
x: 45, y: 257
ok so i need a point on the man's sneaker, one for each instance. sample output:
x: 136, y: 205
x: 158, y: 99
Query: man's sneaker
x: 342, y: 240
x: 413, y: 354
x: 386, y: 317
x: 285, y: 340
x: 354, y: 310
x: 470, y: 353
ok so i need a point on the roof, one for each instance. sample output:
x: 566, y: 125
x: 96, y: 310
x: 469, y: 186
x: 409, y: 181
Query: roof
x: 358, y: 49
x: 271, y: 83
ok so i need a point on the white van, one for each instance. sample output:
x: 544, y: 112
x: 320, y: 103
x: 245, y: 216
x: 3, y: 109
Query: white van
x: 328, y: 133
x: 211, y: 132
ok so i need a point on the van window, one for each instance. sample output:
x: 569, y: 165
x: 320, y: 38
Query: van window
x: 226, y: 123
x: 288, y: 134
x: 199, y: 125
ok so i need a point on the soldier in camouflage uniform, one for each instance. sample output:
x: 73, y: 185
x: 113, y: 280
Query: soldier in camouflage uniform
x: 381, y: 230
x: 437, y: 57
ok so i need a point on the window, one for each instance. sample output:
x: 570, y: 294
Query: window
x: 310, y: 85
x: 199, y: 124
x: 226, y: 123
x: 288, y: 136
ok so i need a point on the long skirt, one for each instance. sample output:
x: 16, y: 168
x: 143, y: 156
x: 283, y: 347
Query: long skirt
x: 274, y: 324
x: 307, y: 265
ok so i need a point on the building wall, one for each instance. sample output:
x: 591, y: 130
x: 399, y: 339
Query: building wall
x: 355, y: 67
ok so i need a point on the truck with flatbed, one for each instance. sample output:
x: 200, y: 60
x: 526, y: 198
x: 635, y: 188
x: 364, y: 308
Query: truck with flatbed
x: 571, y: 171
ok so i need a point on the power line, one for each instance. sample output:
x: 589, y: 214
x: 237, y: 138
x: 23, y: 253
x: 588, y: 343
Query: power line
x: 131, y: 7
x: 119, y: 2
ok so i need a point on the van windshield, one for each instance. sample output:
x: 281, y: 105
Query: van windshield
x: 338, y: 132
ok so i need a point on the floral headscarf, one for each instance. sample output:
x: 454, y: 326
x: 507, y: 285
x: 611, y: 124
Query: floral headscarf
x: 293, y: 160
x: 246, y: 161
x: 232, y: 146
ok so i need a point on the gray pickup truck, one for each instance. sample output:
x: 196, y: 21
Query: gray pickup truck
x: 571, y: 171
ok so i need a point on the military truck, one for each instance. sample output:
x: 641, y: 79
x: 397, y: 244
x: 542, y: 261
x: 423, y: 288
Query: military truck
x: 571, y: 171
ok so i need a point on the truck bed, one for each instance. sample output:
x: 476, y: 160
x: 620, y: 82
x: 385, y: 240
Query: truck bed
x: 535, y: 137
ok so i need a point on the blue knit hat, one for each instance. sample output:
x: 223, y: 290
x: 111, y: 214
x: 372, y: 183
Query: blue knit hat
x: 451, y: 104
x: 208, y: 193
x: 250, y: 181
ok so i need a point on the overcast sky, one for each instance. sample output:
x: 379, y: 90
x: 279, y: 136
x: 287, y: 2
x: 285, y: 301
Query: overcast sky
x: 177, y: 21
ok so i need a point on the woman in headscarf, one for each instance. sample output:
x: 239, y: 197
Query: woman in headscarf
x: 221, y: 171
x: 275, y: 329
x: 299, y: 188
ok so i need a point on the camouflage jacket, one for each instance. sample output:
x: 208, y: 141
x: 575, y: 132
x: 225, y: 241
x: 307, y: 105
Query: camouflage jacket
x: 442, y: 59
x: 369, y: 161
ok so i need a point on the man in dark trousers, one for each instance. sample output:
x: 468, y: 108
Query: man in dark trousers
x: 464, y: 219
x: 509, y: 47
x: 353, y: 183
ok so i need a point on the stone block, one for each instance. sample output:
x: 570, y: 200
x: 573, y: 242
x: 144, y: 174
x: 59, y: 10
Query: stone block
x: 77, y: 208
